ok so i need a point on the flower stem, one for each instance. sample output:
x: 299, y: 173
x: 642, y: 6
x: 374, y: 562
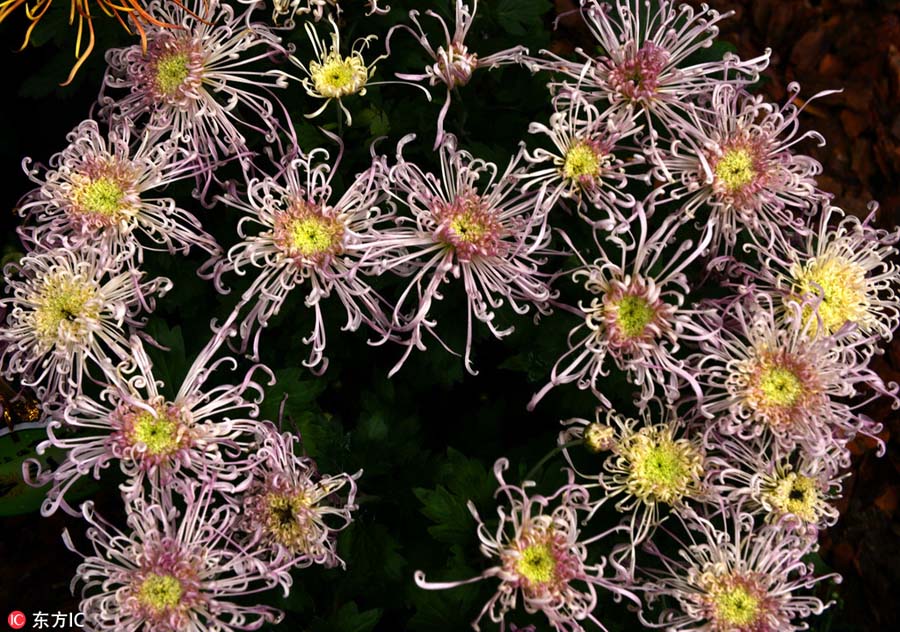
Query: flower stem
x: 550, y: 455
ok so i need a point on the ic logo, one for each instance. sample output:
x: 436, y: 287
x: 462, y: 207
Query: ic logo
x: 16, y: 619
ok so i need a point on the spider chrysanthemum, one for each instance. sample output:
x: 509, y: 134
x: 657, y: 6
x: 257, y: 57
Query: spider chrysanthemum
x: 69, y: 312
x: 104, y: 190
x: 539, y: 556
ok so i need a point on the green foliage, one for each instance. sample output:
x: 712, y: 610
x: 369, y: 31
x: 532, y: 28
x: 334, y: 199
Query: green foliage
x: 518, y: 17
x: 348, y: 619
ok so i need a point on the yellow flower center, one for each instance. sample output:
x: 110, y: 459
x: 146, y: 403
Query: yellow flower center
x: 735, y: 606
x: 661, y: 469
x: 634, y: 313
x: 160, y: 592
x: 841, y: 285
x: 468, y: 228
x: 158, y: 432
x: 795, y: 494
x: 581, y: 160
x: 102, y: 196
x: 311, y: 236
x: 287, y: 521
x: 63, y: 308
x: 780, y: 387
x: 338, y: 76
x: 171, y: 71
x: 537, y: 564
x: 735, y: 169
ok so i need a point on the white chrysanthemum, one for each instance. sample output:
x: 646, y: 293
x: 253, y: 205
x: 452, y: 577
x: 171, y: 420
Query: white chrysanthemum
x: 70, y: 309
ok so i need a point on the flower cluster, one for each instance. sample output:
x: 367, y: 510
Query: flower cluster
x: 749, y: 368
x: 723, y: 314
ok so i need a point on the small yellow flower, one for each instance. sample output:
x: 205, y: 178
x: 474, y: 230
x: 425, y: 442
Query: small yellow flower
x: 331, y: 75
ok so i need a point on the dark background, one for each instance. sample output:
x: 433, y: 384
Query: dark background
x: 847, y: 44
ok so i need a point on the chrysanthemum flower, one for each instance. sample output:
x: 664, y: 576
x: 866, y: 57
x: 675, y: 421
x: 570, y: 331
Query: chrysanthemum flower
x: 132, y: 11
x: 467, y: 223
x: 588, y: 162
x: 735, y: 578
x: 792, y: 490
x: 150, y: 437
x: 842, y: 276
x: 198, y: 83
x: 292, y: 510
x: 733, y: 156
x: 645, y: 60
x: 539, y: 555
x: 649, y: 465
x: 454, y: 64
x: 764, y: 376
x: 176, y: 568
x: 68, y: 309
x: 102, y: 190
x: 332, y: 75
x: 637, y: 314
x: 308, y: 240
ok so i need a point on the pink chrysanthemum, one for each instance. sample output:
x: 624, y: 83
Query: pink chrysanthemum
x: 469, y: 224
x: 637, y: 314
x: 764, y: 376
x: 650, y: 465
x: 734, y: 157
x: 735, y: 578
x: 842, y: 276
x: 176, y: 568
x: 792, y: 490
x: 539, y: 556
x: 645, y: 48
x: 292, y: 510
x: 132, y: 424
x: 102, y: 190
x: 190, y: 81
x: 454, y: 64
x: 307, y: 240
x: 70, y: 309
x: 589, y: 161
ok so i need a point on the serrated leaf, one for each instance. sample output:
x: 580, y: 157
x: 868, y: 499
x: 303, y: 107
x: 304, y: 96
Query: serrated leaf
x: 518, y: 17
x: 454, y: 522
x: 373, y: 552
x: 300, y: 391
x: 465, y: 477
x: 349, y: 619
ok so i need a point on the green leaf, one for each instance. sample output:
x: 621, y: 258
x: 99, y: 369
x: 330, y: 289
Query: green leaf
x: 454, y: 523
x: 16, y: 496
x: 349, y: 619
x: 301, y: 393
x: 463, y: 479
x: 518, y: 17
x: 374, y: 553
